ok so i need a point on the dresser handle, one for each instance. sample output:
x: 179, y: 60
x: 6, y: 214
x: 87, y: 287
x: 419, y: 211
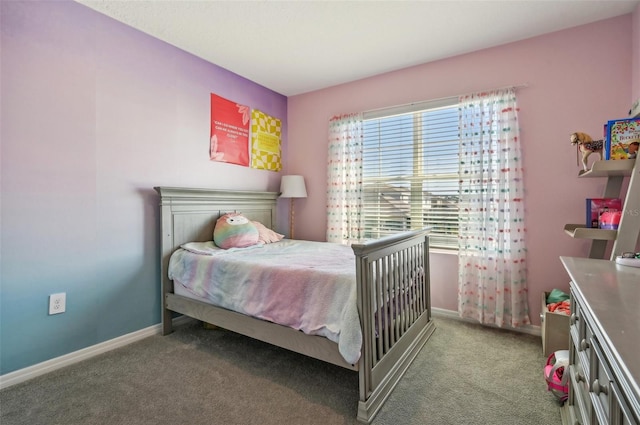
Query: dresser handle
x: 596, y: 388
x: 580, y: 377
x: 584, y: 345
x: 573, y: 319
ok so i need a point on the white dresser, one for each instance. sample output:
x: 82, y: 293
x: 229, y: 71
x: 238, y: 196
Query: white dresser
x: 604, y: 343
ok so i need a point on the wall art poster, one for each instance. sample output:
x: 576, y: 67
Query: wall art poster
x: 266, y: 134
x: 229, y: 140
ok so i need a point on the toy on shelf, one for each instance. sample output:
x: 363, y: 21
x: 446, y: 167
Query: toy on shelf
x: 586, y: 145
x: 597, y: 207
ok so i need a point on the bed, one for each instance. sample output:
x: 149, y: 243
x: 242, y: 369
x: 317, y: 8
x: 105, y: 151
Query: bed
x: 391, y: 279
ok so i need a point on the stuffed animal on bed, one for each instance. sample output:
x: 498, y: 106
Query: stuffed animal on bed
x: 234, y: 230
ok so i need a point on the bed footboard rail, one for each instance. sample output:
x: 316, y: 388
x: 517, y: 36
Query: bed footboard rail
x: 394, y: 303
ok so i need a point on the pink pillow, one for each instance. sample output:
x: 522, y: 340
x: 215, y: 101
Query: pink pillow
x: 233, y: 230
x: 267, y: 235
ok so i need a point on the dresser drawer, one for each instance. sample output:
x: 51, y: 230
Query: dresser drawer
x: 579, y: 400
x: 581, y: 336
x: 581, y: 332
x: 600, y: 388
x: 576, y: 321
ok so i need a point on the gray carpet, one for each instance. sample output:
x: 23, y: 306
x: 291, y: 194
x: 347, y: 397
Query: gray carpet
x: 466, y: 374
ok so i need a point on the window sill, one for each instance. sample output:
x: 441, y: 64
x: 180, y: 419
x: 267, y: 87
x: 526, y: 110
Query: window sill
x: 443, y: 251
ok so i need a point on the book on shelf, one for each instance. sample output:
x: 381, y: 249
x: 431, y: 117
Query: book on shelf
x: 596, y: 207
x: 622, y: 138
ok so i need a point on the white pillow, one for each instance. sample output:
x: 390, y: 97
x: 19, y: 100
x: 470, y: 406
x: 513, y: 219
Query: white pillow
x: 267, y: 235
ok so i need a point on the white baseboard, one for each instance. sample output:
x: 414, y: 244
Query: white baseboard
x: 451, y: 314
x: 22, y: 375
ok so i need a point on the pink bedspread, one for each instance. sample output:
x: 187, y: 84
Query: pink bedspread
x: 308, y: 286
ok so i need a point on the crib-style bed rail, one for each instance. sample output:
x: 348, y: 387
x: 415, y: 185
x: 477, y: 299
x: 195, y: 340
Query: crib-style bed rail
x: 392, y: 274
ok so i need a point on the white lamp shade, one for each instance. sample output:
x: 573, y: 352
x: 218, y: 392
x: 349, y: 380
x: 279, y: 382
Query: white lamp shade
x: 293, y: 187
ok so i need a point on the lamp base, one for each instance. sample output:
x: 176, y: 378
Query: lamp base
x: 291, y: 219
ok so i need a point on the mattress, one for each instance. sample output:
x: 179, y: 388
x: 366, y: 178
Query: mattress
x: 308, y: 286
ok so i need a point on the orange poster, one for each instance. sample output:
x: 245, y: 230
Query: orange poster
x: 229, y: 131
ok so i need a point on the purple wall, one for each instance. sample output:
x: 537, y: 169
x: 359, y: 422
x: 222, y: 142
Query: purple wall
x: 577, y: 80
x: 94, y: 115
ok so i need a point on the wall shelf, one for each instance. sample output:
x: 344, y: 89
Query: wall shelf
x: 580, y: 231
x: 626, y: 237
x: 610, y: 168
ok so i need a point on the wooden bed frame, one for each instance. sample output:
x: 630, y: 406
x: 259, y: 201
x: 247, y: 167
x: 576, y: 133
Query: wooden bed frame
x: 392, y: 272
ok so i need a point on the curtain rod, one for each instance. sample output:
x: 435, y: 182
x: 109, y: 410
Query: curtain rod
x: 442, y: 100
x: 514, y: 86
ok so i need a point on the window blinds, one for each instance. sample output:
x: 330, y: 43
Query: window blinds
x: 410, y: 170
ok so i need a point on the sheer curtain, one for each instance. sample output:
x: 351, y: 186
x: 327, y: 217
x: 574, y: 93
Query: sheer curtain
x: 492, y: 286
x: 344, y: 184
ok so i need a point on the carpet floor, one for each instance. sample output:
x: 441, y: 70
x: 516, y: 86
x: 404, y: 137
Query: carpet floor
x: 465, y: 374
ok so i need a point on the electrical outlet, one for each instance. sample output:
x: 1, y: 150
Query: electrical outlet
x: 57, y: 303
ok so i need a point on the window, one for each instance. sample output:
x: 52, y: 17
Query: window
x: 410, y: 171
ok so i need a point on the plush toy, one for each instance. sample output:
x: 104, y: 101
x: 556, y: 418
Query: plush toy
x: 587, y: 146
x: 233, y: 230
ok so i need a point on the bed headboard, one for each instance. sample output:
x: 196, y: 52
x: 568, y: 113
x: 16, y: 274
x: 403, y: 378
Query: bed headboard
x: 189, y: 215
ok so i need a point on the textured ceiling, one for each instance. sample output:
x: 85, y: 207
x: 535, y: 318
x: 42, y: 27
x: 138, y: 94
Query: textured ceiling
x: 294, y: 47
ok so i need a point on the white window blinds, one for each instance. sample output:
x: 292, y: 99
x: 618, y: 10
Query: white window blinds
x: 410, y: 171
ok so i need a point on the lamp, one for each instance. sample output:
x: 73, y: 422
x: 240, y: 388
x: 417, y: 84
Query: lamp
x: 292, y: 187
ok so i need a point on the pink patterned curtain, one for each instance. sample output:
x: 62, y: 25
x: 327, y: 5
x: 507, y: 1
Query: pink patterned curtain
x: 344, y: 185
x: 492, y: 286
